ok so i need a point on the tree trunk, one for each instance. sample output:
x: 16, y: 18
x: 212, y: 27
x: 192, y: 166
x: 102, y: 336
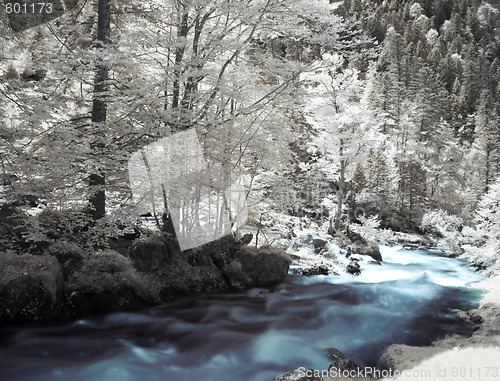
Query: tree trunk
x: 340, y: 200
x: 340, y: 195
x: 99, y: 111
x: 182, y: 31
x: 487, y: 175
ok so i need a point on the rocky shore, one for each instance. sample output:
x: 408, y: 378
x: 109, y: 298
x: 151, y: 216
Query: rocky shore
x: 448, y: 356
x: 57, y: 266
x: 442, y: 359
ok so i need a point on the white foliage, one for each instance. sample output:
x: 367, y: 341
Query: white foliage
x: 416, y: 10
x: 370, y: 226
x: 486, y: 12
x: 441, y: 221
x: 431, y: 36
x: 488, y: 212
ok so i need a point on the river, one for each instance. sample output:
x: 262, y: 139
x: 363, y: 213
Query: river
x: 411, y: 298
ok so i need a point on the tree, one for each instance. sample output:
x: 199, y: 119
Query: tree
x: 168, y: 68
x: 487, y: 139
x: 347, y: 128
x: 99, y: 110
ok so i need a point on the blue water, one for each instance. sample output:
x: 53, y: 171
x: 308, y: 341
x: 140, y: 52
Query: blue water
x: 255, y: 335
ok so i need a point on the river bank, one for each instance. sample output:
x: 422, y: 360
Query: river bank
x: 59, y: 266
x: 111, y: 279
x: 255, y: 334
x: 444, y: 358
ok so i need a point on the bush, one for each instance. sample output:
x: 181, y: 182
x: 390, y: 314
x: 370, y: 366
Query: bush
x: 441, y: 223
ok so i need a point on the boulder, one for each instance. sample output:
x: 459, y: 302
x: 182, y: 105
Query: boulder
x: 340, y: 362
x: 197, y: 270
x: 355, y: 237
x: 31, y: 288
x: 265, y: 266
x: 237, y: 278
x: 108, y: 281
x: 353, y: 267
x: 149, y: 254
x: 314, y: 270
x: 334, y: 355
x: 69, y: 255
x: 319, y: 243
x: 371, y: 249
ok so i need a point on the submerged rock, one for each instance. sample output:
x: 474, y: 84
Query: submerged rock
x: 353, y: 267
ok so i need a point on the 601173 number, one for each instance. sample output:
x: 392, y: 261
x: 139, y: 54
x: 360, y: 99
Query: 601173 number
x: 20, y: 8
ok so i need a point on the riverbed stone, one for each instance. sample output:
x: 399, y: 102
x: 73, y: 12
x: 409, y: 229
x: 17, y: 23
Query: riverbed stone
x: 353, y: 267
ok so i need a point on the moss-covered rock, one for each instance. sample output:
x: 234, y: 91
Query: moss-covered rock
x: 107, y: 281
x: 265, y: 266
x: 31, y: 287
x: 69, y: 255
x: 237, y: 277
x: 149, y: 254
x: 76, y: 266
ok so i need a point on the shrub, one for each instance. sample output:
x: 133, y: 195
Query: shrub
x: 441, y: 223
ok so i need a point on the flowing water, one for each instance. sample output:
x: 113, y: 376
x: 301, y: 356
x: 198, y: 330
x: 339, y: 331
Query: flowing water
x: 411, y: 298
